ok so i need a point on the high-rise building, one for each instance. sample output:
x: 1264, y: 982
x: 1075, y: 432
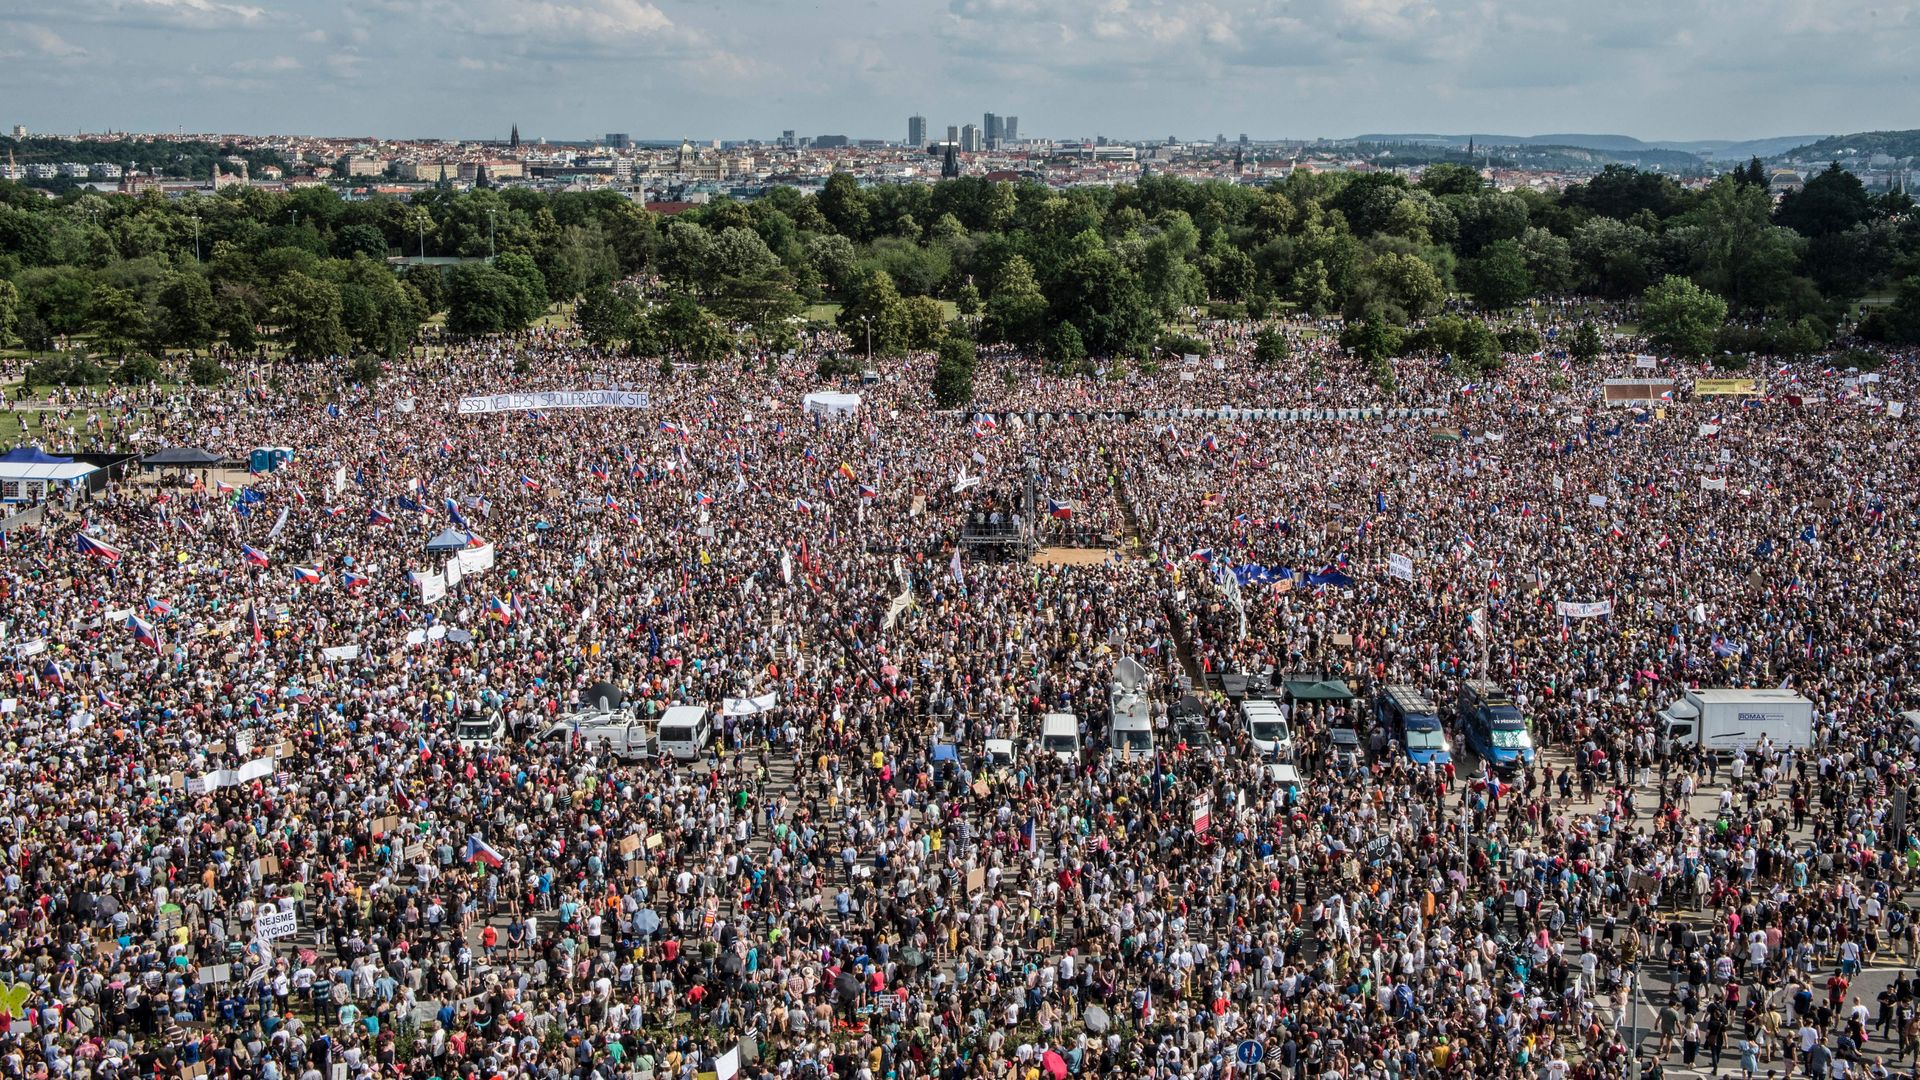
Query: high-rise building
x: 990, y: 129
x: 619, y: 140
x: 917, y: 131
x: 953, y: 133
x: 1010, y: 129
x: 787, y: 140
x: 970, y: 139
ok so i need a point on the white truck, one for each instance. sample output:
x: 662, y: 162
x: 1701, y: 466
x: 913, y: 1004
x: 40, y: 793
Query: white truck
x: 1726, y: 720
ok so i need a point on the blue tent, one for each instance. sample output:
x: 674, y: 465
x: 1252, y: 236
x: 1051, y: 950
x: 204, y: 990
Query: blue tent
x: 32, y: 455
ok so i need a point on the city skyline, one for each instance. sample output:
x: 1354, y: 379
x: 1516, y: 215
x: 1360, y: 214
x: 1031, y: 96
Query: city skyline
x: 1136, y: 70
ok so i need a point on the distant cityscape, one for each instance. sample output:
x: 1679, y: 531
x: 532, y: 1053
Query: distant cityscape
x: 686, y: 172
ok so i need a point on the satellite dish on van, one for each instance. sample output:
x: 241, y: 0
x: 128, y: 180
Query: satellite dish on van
x: 605, y: 696
x: 1129, y: 674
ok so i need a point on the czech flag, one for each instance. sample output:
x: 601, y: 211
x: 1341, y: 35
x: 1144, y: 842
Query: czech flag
x: 254, y: 555
x: 253, y: 623
x: 221, y: 487
x: 867, y: 492
x: 810, y: 455
x: 1056, y: 508
x: 54, y: 673
x: 600, y: 472
x: 669, y: 427
x: 499, y: 609
x: 108, y: 703
x: 1210, y: 444
x: 143, y: 632
x: 701, y: 498
x: 99, y: 549
x: 377, y: 516
x: 1666, y: 395
x: 306, y: 575
x: 353, y: 580
x: 1203, y: 555
x: 529, y: 483
x: 610, y: 503
x: 478, y: 848
x: 158, y: 608
x: 335, y: 511
x: 803, y: 506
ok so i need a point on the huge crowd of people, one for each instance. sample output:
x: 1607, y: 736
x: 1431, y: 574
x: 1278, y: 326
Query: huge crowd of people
x: 250, y: 831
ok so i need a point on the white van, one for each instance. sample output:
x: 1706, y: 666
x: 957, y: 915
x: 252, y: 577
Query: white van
x: 1130, y: 731
x: 1267, y: 727
x: 475, y: 730
x: 684, y: 731
x: 1060, y: 736
x: 623, y: 737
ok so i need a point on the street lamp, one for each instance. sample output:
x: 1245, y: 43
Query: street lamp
x: 490, y: 214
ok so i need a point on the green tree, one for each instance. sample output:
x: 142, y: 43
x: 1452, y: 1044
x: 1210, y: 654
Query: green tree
x: 9, y: 312
x: 1371, y: 340
x: 1498, y: 277
x: 1831, y: 201
x: 926, y: 321
x: 116, y: 319
x: 1270, y: 347
x: 204, y: 370
x: 605, y: 315
x: 953, y: 371
x: 1478, y: 349
x: 380, y: 314
x: 307, y: 311
x: 532, y: 285
x: 1408, y: 283
x: 1017, y: 310
x: 846, y: 206
x: 1681, y: 317
x: 1065, y: 350
x: 878, y: 316
x: 483, y: 300
x: 1584, y: 345
x: 138, y: 370
x: 187, y: 311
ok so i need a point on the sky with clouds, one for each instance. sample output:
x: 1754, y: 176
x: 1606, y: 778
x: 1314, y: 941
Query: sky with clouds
x: 1657, y: 69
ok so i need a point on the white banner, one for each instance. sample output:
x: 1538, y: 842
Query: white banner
x: 475, y: 559
x: 453, y: 574
x: 341, y: 652
x: 553, y: 399
x: 750, y: 706
x: 432, y: 587
x: 1711, y: 483
x: 1896, y: 409
x: 273, y: 924
x: 1596, y: 500
x: 1400, y: 566
x: 1644, y: 362
x: 1570, y: 610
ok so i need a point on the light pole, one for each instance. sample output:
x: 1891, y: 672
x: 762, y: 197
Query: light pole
x: 867, y: 321
x: 490, y: 214
x: 421, y: 223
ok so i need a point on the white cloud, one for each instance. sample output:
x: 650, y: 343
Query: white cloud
x: 41, y: 42
x: 267, y: 65
x: 196, y: 14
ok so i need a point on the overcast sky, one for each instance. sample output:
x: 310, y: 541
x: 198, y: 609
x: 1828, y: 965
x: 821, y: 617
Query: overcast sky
x: 1657, y: 69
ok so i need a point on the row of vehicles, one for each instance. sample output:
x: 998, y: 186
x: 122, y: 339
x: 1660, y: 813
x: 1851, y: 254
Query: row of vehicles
x: 609, y: 723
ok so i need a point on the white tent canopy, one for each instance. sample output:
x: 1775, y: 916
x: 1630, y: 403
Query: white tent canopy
x: 20, y: 481
x: 830, y: 403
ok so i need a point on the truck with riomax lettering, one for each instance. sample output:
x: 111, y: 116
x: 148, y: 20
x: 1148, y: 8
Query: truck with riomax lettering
x: 1729, y: 720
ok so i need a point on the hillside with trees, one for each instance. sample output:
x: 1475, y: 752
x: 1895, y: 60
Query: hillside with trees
x: 1076, y: 275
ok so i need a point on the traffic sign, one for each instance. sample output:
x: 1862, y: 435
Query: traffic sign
x: 1251, y: 1052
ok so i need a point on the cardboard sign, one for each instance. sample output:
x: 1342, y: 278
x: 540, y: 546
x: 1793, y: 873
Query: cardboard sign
x: 216, y: 974
x: 976, y: 880
x: 655, y: 842
x: 274, y: 924
x: 629, y: 844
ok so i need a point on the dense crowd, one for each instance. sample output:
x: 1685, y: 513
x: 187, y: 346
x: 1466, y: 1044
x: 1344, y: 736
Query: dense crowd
x: 231, y: 702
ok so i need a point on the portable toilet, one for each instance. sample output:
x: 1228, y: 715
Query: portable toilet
x: 265, y: 459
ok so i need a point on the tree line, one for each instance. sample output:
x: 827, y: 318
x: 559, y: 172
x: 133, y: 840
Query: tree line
x: 1076, y: 276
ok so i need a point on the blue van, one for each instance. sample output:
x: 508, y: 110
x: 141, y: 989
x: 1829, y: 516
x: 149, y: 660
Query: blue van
x: 1494, y: 727
x: 1411, y: 718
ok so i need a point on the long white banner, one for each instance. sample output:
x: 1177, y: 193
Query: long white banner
x: 554, y: 399
x: 1572, y: 610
